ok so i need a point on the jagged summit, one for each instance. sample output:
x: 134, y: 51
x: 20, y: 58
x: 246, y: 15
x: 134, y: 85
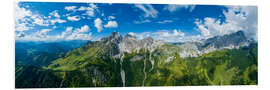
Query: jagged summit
x: 233, y: 39
x: 129, y: 43
x: 114, y: 36
x: 229, y: 41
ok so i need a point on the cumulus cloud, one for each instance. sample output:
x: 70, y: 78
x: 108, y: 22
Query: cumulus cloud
x: 27, y: 20
x: 65, y: 33
x: 111, y: 24
x: 178, y: 33
x: 90, y: 10
x: 174, y: 7
x: 84, y: 28
x: 148, y: 10
x: 78, y: 34
x: 39, y: 20
x: 21, y: 19
x: 56, y: 19
x: 236, y: 18
x: 98, y: 24
x: 73, y: 18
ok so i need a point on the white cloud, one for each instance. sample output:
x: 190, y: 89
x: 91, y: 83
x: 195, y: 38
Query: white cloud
x: 22, y: 27
x: 81, y: 33
x: 43, y: 33
x: 98, y: 24
x: 78, y: 34
x: 20, y: 34
x: 21, y: 19
x: 21, y: 12
x: 27, y: 20
x: 165, y: 21
x: 148, y: 10
x: 82, y: 8
x: 84, y: 28
x: 143, y: 21
x: 174, y: 7
x: 111, y: 17
x: 39, y: 20
x: 69, y: 29
x: 74, y: 18
x: 90, y: 10
x: 65, y: 33
x: 55, y: 14
x: 111, y: 24
x: 70, y: 8
x: 178, y: 33
x: 236, y: 18
x: 57, y: 18
x: 57, y: 21
x: 40, y: 35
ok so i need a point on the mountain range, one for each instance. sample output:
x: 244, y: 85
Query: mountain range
x: 117, y: 61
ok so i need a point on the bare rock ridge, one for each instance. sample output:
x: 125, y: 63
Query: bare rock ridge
x: 229, y: 41
x: 118, y: 44
x: 129, y: 43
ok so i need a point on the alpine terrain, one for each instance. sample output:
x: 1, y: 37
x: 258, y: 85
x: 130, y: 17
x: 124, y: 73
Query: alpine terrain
x: 118, y: 61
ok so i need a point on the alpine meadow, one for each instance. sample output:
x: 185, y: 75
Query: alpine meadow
x: 68, y: 44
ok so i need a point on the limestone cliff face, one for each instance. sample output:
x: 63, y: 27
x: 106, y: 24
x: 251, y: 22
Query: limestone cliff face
x: 117, y: 44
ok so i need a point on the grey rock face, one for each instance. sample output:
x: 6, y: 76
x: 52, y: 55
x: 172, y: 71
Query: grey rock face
x: 131, y: 44
x: 116, y: 44
x: 111, y: 44
x: 230, y: 41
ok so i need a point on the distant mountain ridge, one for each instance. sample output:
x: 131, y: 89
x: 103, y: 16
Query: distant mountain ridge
x: 42, y: 53
x: 229, y: 41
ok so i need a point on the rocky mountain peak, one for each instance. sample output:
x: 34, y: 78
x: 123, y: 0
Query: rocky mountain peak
x: 116, y: 44
x: 115, y: 37
x: 233, y: 39
x: 114, y: 34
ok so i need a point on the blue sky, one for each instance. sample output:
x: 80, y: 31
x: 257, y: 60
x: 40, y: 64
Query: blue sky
x: 51, y: 21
